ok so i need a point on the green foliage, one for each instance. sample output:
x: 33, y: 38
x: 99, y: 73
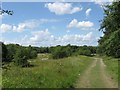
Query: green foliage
x: 66, y: 51
x: 109, y: 44
x: 61, y: 73
x: 33, y: 54
x: 18, y: 54
x: 2, y: 11
x: 20, y: 57
x: 4, y: 52
x: 42, y: 49
x: 85, y: 50
x: 113, y: 45
x: 112, y: 67
x: 11, y: 48
x: 59, y: 52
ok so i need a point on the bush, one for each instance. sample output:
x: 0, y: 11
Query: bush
x: 20, y: 58
x: 11, y: 48
x: 85, y: 52
x: 33, y: 54
x: 59, y: 52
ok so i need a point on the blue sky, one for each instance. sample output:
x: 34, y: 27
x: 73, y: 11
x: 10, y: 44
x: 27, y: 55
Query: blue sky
x: 50, y: 24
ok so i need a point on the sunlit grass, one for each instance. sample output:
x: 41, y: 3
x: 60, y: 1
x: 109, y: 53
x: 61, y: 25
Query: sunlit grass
x: 112, y: 67
x: 49, y: 73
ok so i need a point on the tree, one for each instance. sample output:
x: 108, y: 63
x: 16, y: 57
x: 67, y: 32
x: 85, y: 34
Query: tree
x: 31, y: 53
x: 109, y: 44
x: 4, y: 52
x: 9, y: 12
x: 11, y: 48
x: 59, y: 52
x: 20, y: 57
x: 84, y: 51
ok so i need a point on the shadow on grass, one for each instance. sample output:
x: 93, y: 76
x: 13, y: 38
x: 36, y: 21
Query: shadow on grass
x: 29, y: 66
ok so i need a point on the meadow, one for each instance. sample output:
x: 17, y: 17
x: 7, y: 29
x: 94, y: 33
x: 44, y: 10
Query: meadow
x: 46, y: 72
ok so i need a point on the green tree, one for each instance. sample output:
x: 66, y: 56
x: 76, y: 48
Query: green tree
x: 4, y: 52
x: 59, y: 52
x: 109, y: 44
x: 31, y: 53
x: 20, y: 57
x: 11, y: 48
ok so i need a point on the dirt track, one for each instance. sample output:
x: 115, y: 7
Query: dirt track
x: 95, y: 76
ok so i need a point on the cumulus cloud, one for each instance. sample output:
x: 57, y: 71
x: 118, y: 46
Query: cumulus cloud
x: 25, y: 25
x: 45, y: 38
x: 62, y: 8
x: 103, y: 2
x: 88, y: 11
x: 40, y: 36
x: 5, y: 27
x: 28, y: 24
x: 17, y: 28
x: 81, y: 24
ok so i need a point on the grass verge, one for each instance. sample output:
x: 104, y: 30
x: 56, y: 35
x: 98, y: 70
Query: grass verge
x: 112, y: 67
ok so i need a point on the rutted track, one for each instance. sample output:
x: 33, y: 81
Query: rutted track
x: 95, y: 76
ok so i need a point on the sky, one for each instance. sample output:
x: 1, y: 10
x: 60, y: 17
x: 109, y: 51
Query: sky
x: 51, y: 23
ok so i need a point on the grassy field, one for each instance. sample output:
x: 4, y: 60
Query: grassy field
x: 46, y: 73
x: 112, y: 67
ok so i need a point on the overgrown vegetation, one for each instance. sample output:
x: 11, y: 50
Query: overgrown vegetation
x: 109, y: 44
x: 17, y: 54
x: 112, y: 67
x: 60, y: 73
x: 66, y: 51
x: 20, y: 54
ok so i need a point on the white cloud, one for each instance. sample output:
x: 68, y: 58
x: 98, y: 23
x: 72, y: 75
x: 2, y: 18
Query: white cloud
x: 5, y: 28
x: 88, y: 11
x: 88, y: 36
x: 100, y: 2
x: 28, y: 24
x: 62, y: 8
x: 40, y: 36
x: 25, y: 25
x: 103, y: 2
x: 82, y: 24
x: 18, y: 28
x: 45, y: 38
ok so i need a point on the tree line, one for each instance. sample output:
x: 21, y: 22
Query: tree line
x: 109, y: 44
x: 20, y: 54
x: 69, y: 50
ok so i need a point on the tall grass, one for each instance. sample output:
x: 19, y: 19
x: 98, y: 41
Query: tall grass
x: 61, y: 73
x: 112, y: 67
